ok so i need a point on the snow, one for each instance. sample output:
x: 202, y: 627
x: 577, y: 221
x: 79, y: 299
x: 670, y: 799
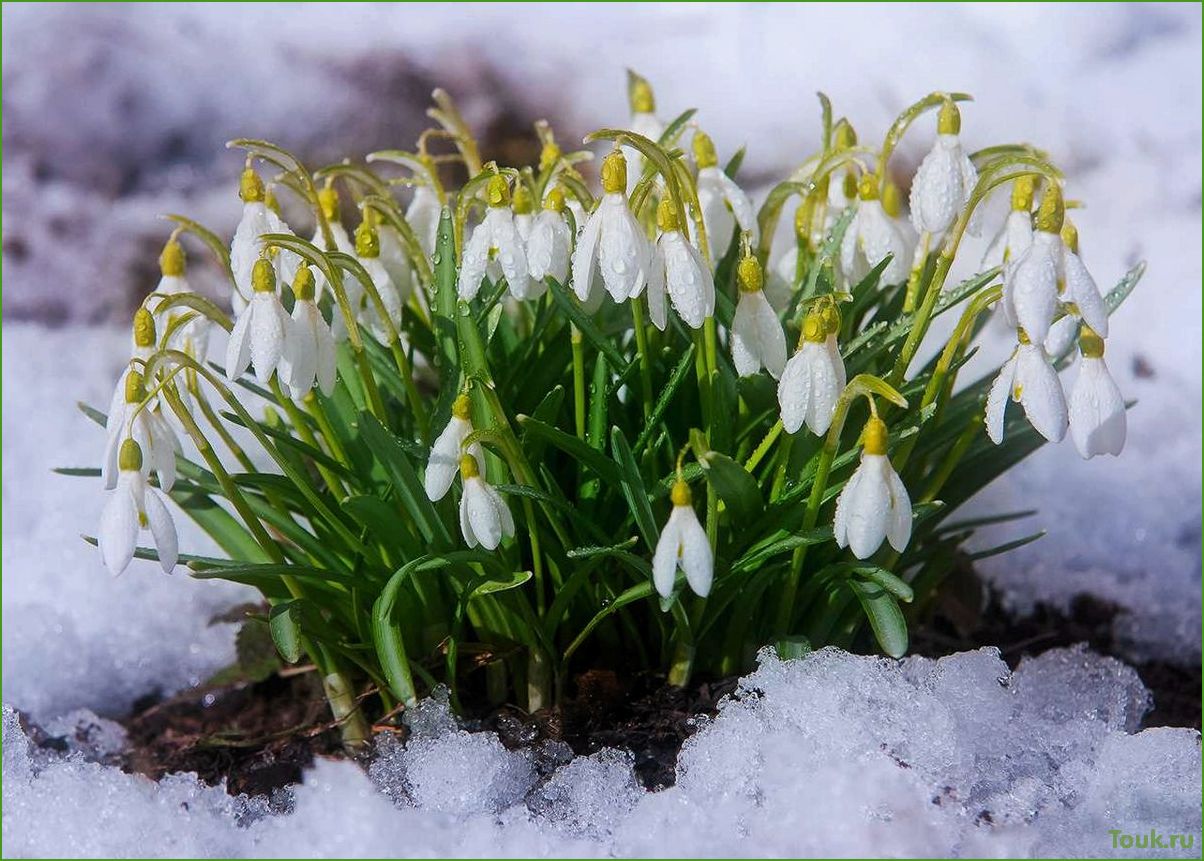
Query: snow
x: 806, y: 759
x: 832, y: 754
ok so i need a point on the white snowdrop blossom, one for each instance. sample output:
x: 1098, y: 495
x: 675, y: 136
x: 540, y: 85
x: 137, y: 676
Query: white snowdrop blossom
x: 145, y: 426
x: 1097, y: 409
x: 1077, y: 287
x: 132, y: 507
x: 757, y: 338
x: 495, y: 247
x: 191, y: 337
x: 423, y: 216
x: 1029, y: 379
x: 262, y: 330
x: 945, y: 178
x: 678, y: 268
x: 815, y: 375
x: 644, y: 121
x: 484, y: 517
x: 723, y: 203
x: 683, y: 544
x: 367, y: 252
x: 612, y: 240
x: 447, y: 450
x: 871, y: 236
x: 1016, y: 235
x: 873, y: 505
x: 247, y: 247
x: 310, y: 355
x: 549, y: 246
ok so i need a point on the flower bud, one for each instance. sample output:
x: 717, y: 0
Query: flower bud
x: 135, y: 389
x: 469, y: 467
x: 250, y: 186
x: 875, y: 436
x: 749, y: 274
x: 641, y: 98
x: 549, y: 155
x: 892, y: 203
x: 171, y: 259
x: 554, y: 202
x: 497, y: 192
x: 843, y: 135
x: 328, y: 201
x: 680, y: 494
x: 814, y: 328
x: 949, y: 120
x: 849, y: 185
x: 704, y: 150
x: 831, y: 317
x: 666, y: 215
x: 144, y: 328
x: 303, y: 285
x: 263, y: 276
x: 614, y: 172
x: 460, y: 406
x: 1052, y: 211
x: 270, y: 201
x: 129, y: 458
x: 367, y: 240
x: 1070, y: 236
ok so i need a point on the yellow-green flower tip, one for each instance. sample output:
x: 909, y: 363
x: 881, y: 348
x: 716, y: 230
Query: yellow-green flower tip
x: 135, y: 390
x: 949, y: 120
x: 497, y: 191
x: 270, y: 201
x: 1070, y: 236
x: 704, y: 150
x: 554, y: 202
x: 666, y: 215
x: 892, y: 200
x: 641, y: 97
x: 524, y: 204
x: 129, y: 456
x: 749, y: 274
x: 802, y: 219
x: 614, y: 172
x: 814, y: 328
x: 1091, y: 345
x: 875, y: 436
x: 469, y: 467
x: 549, y: 155
x: 144, y: 328
x: 1022, y: 336
x: 367, y: 240
x: 844, y: 135
x: 460, y: 406
x: 328, y: 201
x: 303, y: 284
x: 849, y: 185
x: 250, y: 186
x: 1023, y: 190
x: 171, y: 259
x: 263, y: 276
x: 831, y: 318
x: 867, y: 189
x: 680, y: 495
x: 1052, y: 211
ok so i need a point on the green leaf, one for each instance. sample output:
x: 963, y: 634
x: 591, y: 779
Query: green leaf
x: 1124, y: 287
x: 885, y: 617
x: 576, y: 448
x: 633, y: 487
x: 404, y: 479
x: 734, y: 485
x: 504, y: 584
x: 680, y: 372
x: 886, y: 580
x: 604, y: 345
x: 285, y: 623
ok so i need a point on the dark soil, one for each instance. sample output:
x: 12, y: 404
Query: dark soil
x: 260, y: 736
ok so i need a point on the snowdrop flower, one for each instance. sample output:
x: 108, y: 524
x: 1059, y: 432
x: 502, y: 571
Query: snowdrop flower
x: 495, y: 247
x: 612, y: 240
x: 1031, y: 284
x: 873, y: 504
x: 246, y: 249
x: 723, y: 203
x: 132, y: 507
x: 311, y: 351
x: 367, y: 251
x: 1076, y: 285
x: 423, y: 216
x: 757, y: 337
x: 523, y: 205
x: 328, y: 200
x: 143, y: 347
x: 261, y: 333
x: 871, y: 236
x: 945, y: 178
x: 484, y: 517
x: 1029, y: 379
x: 683, y: 544
x: 549, y: 244
x: 145, y: 426
x: 1016, y: 235
x: 550, y: 162
x: 191, y: 337
x: 643, y: 122
x: 814, y: 376
x: 678, y: 267
x: 444, y: 462
x: 1097, y: 410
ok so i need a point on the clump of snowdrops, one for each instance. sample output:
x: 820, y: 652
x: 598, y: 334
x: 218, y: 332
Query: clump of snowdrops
x: 500, y: 431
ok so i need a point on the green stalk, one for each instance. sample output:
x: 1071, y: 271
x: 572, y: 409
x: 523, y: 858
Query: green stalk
x: 578, y: 380
x: 641, y: 343
x: 307, y: 436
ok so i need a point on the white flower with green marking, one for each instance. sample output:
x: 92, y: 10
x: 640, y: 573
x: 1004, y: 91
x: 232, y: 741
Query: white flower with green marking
x: 262, y: 330
x: 678, y: 270
x: 757, y: 338
x: 724, y: 204
x: 683, y: 544
x: 945, y: 178
x: 1097, y: 409
x: 310, y: 357
x: 874, y: 505
x: 484, y: 517
x: 612, y: 242
x: 133, y: 507
x: 1029, y: 379
x: 495, y: 248
x: 814, y: 377
x: 448, y: 448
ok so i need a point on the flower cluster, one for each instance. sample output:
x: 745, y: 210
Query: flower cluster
x: 607, y: 370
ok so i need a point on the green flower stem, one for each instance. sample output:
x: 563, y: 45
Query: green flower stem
x: 641, y: 343
x: 301, y: 425
x: 917, y: 272
x: 314, y: 407
x: 578, y: 379
x: 941, y: 474
x: 765, y: 445
x: 227, y: 438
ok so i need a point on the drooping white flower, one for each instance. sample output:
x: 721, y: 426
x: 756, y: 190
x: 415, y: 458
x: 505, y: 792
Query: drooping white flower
x: 873, y: 505
x: 147, y: 427
x: 550, y: 244
x: 191, y: 337
x: 423, y: 216
x: 1097, y: 409
x: 1078, y: 287
x: 262, y: 330
x: 495, y: 247
x: 871, y: 236
x: 1029, y: 379
x: 723, y: 203
x: 247, y: 247
x: 367, y: 252
x: 612, y: 241
x: 945, y: 178
x: 395, y: 260
x: 311, y: 352
x: 757, y: 338
x: 814, y: 377
x: 678, y: 267
x: 1031, y: 283
x: 1016, y: 234
x: 131, y: 508
x: 484, y: 517
x: 683, y: 544
x: 447, y: 450
x: 644, y: 121
x: 328, y: 200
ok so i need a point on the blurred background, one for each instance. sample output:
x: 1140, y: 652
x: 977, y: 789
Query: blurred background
x: 114, y: 114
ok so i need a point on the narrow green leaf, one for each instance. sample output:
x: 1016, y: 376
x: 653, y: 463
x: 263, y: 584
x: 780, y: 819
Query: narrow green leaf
x: 885, y: 617
x: 735, y: 486
x: 284, y: 621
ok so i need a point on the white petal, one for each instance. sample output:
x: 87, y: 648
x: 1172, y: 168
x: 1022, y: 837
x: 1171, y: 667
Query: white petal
x: 770, y: 335
x: 327, y: 357
x: 466, y: 530
x: 1097, y: 411
x: 997, y: 399
x: 1081, y: 287
x: 299, y: 364
x: 656, y: 288
x: 869, y: 506
x: 844, y: 503
x: 1034, y: 287
x: 423, y: 215
x: 664, y: 559
x: 163, y: 528
x: 898, y: 524
x: 503, y: 511
x: 510, y: 253
x: 475, y: 261
x: 690, y: 283
x: 718, y: 220
x: 746, y: 354
x: 1062, y: 335
x: 937, y: 189
x: 696, y: 558
x: 1040, y: 392
x: 483, y: 515
x: 623, y: 253
x: 585, y: 255
x: 118, y: 533
x: 827, y: 382
x: 269, y: 328
x: 238, y: 346
x: 444, y: 461
x: 794, y: 391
